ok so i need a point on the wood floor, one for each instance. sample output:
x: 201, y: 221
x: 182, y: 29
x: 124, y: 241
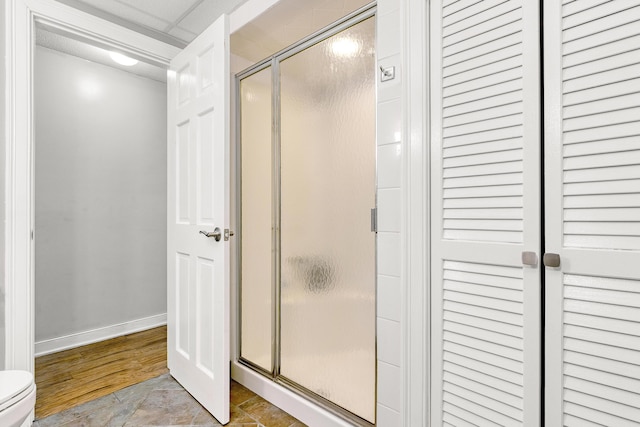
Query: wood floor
x: 72, y: 377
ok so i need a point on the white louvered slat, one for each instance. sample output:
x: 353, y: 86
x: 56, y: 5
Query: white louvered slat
x: 626, y: 12
x: 495, y: 15
x: 508, y: 404
x: 484, y: 79
x: 482, y: 61
x: 479, y: 192
x: 602, y: 147
x: 484, y: 334
x: 602, y: 214
x: 605, y: 296
x: 451, y: 420
x: 596, y: 161
x: 454, y: 6
x: 602, y: 310
x: 484, y: 181
x: 482, y: 323
x: 476, y: 46
x: 506, y: 213
x: 585, y: 53
x: 483, y: 82
x: 595, y: 389
x: 480, y: 105
x: 478, y: 404
x: 595, y: 416
x: 486, y: 202
x: 625, y: 415
x: 571, y: 421
x: 573, y: 18
x: 482, y: 115
x: 579, y: 6
x: 500, y: 316
x: 486, y: 359
x: 504, y: 86
x: 457, y: 412
x: 614, y: 75
x: 629, y: 186
x: 470, y: 16
x: 507, y: 284
x: 607, y: 324
x: 602, y: 174
x: 622, y: 382
x: 606, y: 118
x: 506, y: 387
x: 512, y: 380
x: 596, y: 66
x: 603, y: 337
x: 487, y: 70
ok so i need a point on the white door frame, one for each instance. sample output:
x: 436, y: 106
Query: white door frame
x: 21, y: 18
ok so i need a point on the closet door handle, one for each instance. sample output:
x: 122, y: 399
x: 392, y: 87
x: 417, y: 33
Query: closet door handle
x: 551, y: 260
x: 529, y: 258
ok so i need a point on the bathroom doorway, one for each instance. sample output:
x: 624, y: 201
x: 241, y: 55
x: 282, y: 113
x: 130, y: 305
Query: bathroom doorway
x: 305, y: 205
x: 100, y: 156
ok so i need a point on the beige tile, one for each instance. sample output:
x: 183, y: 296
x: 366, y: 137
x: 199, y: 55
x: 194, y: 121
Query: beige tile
x: 240, y: 394
x: 266, y: 413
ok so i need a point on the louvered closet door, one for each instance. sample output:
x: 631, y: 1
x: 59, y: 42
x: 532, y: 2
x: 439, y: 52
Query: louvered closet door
x: 485, y: 189
x: 592, y: 172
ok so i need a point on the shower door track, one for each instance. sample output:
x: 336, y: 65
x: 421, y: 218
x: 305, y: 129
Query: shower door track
x: 273, y: 61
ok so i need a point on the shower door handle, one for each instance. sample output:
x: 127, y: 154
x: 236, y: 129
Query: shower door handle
x: 216, y: 234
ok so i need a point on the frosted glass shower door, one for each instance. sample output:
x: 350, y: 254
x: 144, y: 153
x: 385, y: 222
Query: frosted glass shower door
x: 256, y: 273
x: 327, y: 256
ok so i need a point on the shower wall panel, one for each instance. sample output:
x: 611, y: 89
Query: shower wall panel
x: 257, y: 220
x: 327, y: 246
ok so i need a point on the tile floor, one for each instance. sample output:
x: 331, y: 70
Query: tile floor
x: 161, y: 401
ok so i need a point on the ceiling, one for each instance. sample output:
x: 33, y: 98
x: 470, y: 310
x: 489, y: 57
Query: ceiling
x: 92, y: 53
x: 286, y: 23
x: 173, y: 21
x: 178, y: 22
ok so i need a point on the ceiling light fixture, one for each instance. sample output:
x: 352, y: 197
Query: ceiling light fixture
x: 123, y: 59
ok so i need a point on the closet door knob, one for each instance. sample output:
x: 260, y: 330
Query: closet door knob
x: 529, y: 258
x: 551, y: 260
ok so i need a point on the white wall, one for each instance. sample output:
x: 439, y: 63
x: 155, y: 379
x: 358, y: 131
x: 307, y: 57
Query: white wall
x: 390, y: 314
x: 100, y: 196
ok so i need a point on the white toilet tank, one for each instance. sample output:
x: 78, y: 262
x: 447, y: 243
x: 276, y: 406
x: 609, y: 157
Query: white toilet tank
x: 17, y: 397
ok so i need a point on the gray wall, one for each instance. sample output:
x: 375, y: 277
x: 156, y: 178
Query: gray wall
x: 2, y: 142
x: 100, y: 195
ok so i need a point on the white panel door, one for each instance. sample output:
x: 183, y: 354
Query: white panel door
x: 198, y: 200
x: 485, y: 205
x: 592, y: 181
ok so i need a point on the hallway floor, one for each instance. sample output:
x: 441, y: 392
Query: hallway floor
x: 161, y: 401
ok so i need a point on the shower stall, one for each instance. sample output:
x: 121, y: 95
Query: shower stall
x: 306, y: 217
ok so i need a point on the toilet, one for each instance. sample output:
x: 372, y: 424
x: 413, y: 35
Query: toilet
x: 17, y: 397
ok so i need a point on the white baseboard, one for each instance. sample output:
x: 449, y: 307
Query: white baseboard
x: 66, y: 342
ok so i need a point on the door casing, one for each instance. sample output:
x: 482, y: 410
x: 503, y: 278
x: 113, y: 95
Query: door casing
x: 22, y: 17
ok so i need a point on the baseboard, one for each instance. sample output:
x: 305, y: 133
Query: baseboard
x: 66, y: 342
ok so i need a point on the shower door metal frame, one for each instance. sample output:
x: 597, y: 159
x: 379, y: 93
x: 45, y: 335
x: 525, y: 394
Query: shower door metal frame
x: 354, y: 18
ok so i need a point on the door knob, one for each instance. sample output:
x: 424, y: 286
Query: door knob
x: 216, y: 234
x: 529, y: 258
